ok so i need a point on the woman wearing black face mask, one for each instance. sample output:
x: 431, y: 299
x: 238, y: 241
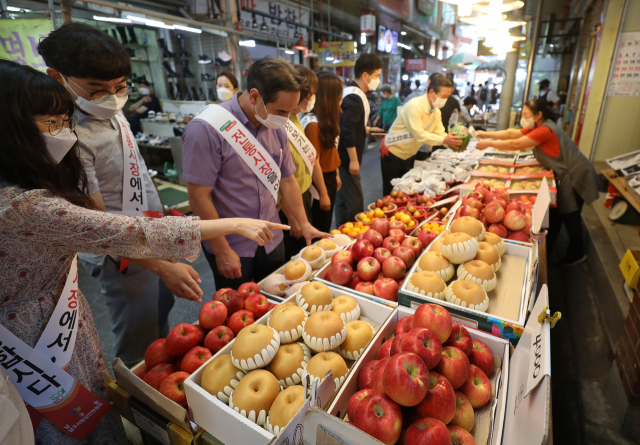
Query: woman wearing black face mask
x: 576, y: 179
x: 46, y: 218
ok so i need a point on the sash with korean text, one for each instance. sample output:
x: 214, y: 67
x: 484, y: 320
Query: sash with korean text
x: 303, y: 146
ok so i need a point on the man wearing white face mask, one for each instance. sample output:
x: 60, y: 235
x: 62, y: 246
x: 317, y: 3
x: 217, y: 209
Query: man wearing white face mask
x: 140, y: 110
x: 419, y: 122
x: 93, y: 67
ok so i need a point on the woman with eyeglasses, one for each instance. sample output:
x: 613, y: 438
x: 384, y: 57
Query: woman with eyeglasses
x: 47, y: 216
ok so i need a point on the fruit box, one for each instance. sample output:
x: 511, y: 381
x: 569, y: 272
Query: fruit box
x: 526, y: 168
x: 509, y: 302
x: 521, y: 410
x: 492, y: 154
x: 231, y: 428
x: 497, y: 166
x: 519, y: 180
x: 478, y: 176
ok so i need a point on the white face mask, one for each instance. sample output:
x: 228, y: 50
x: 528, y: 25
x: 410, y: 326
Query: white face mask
x: 373, y: 85
x: 224, y: 93
x: 310, y: 104
x: 58, y: 146
x: 527, y: 123
x: 106, y: 107
x: 439, y: 102
x: 144, y: 91
x: 272, y: 121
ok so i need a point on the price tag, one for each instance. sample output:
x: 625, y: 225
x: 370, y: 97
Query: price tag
x: 539, y: 351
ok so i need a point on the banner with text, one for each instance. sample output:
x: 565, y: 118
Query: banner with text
x: 19, y: 40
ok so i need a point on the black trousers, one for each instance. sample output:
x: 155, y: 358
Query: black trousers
x: 573, y: 223
x: 253, y: 269
x: 294, y: 245
x: 322, y: 218
x: 393, y: 167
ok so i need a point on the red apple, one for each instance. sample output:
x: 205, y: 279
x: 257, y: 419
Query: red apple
x: 257, y: 304
x: 460, y: 338
x: 341, y: 273
x: 384, y: 351
x: 195, y: 358
x: 158, y: 373
x: 366, y: 375
x: 173, y: 388
x: 214, y: 313
x: 343, y: 256
x: 178, y: 362
x: 181, y: 338
x: 473, y: 202
x: 378, y: 372
x: 435, y: 318
x: 395, y: 344
x: 532, y: 199
x: 454, y: 365
x: 520, y: 235
x: 414, y: 244
x: 482, y: 357
x: 219, y: 292
x: 239, y: 320
x: 390, y: 243
x: 406, y: 379
x: 366, y: 287
x: 499, y: 229
x: 427, y: 431
x: 156, y: 354
x: 406, y: 255
x: 361, y: 249
x: 381, y: 226
x: 386, y: 288
x: 400, y: 327
x: 394, y: 268
x: 477, y: 387
x: 369, y: 268
x: 463, y: 417
x: 398, y: 234
x: 426, y: 237
x: 374, y: 237
x: 355, y: 280
x: 271, y: 306
x: 380, y: 417
x: 469, y: 211
x: 247, y: 289
x: 440, y: 401
x: 201, y: 334
x: 355, y: 400
x: 425, y: 344
x: 515, y: 205
x: 327, y: 274
x: 399, y: 225
x: 381, y: 254
x: 379, y: 203
x: 514, y: 220
x: 218, y: 338
x: 494, y: 212
x: 459, y: 436
x: 140, y: 372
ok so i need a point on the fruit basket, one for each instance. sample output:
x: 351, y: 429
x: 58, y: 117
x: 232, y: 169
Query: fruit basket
x: 381, y: 208
x: 352, y: 229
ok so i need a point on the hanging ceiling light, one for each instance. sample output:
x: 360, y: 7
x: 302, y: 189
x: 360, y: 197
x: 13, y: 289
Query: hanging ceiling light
x: 464, y: 6
x: 264, y: 26
x: 507, y: 5
x: 254, y: 23
x: 288, y: 51
x: 323, y: 42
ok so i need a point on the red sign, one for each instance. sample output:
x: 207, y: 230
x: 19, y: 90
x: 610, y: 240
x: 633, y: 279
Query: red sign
x: 415, y: 64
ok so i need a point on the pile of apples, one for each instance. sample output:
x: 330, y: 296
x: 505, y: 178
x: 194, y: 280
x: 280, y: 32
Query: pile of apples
x: 489, y: 182
x: 352, y: 229
x: 405, y: 218
x: 507, y: 218
x: 398, y: 198
x: 425, y: 384
x: 377, y: 262
x: 169, y: 361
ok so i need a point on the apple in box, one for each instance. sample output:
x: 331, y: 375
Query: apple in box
x: 460, y: 338
x: 384, y: 351
x: 414, y: 244
x: 477, y: 387
x: 381, y: 226
x: 366, y: 375
x: 355, y: 400
x: 369, y: 268
x: 426, y: 237
x: 195, y: 358
x: 232, y: 300
x: 474, y: 203
x: 514, y: 220
x: 247, y: 289
x: 239, y: 320
x: 158, y: 373
x: 257, y: 304
x: 377, y: 383
x: 425, y: 344
x: 460, y: 436
x: 380, y: 417
x: 366, y: 287
x: 381, y: 254
x: 361, y: 249
x: 219, y: 292
x: 374, y: 237
x: 482, y: 357
x: 214, y: 313
x: 355, y: 280
x: 395, y: 344
x: 401, y: 326
x: 173, y: 388
x: 156, y: 354
x: 427, y: 431
x: 464, y: 416
x: 386, y: 288
x: 499, y: 229
x: 181, y: 338
x: 406, y: 255
x: 435, y: 318
x: 494, y: 212
x: 454, y: 365
x: 469, y: 211
x: 394, y: 268
x: 201, y: 334
x: 406, y: 379
x: 519, y: 236
x: 218, y: 338
x: 344, y: 256
x: 514, y: 205
x: 398, y: 234
x: 390, y: 243
x: 341, y: 273
x: 440, y: 401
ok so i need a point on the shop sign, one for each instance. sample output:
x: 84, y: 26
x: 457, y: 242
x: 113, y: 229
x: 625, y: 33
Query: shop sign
x: 19, y: 40
x: 344, y: 57
x: 434, y: 66
x: 368, y: 22
x: 281, y: 9
x: 415, y: 64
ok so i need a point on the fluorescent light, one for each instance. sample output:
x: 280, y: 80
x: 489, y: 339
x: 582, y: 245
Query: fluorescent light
x: 405, y: 77
x: 289, y: 51
x: 250, y: 43
x: 108, y: 19
x: 158, y: 24
x: 355, y: 44
x: 136, y: 18
x: 355, y: 50
x: 187, y: 28
x: 14, y: 9
x: 402, y: 45
x: 403, y: 33
x: 329, y: 58
x: 363, y: 38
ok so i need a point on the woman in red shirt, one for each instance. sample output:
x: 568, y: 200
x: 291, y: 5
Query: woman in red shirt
x: 576, y: 179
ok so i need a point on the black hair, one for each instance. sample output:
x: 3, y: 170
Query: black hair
x: 82, y: 51
x: 539, y: 105
x: 311, y: 81
x: 417, y: 83
x: 367, y: 63
x: 468, y: 83
x: 470, y: 101
x: 273, y: 74
x: 24, y: 158
x: 433, y: 76
x: 229, y: 75
x: 438, y: 82
x: 545, y: 83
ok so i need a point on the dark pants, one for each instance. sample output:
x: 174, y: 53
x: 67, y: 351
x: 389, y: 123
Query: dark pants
x: 253, y: 268
x: 349, y: 199
x: 573, y: 223
x: 393, y: 167
x: 322, y: 218
x: 294, y: 245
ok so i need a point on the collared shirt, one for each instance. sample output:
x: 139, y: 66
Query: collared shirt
x: 424, y: 124
x: 102, y: 155
x: 389, y: 110
x: 210, y: 161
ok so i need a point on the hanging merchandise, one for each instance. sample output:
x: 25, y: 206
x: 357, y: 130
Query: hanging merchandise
x: 368, y: 22
x: 185, y: 69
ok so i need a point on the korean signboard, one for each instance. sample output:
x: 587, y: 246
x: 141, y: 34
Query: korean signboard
x: 19, y: 40
x: 415, y: 64
x: 281, y: 9
x: 342, y: 57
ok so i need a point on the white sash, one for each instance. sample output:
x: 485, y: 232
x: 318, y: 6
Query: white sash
x: 404, y: 136
x: 248, y: 148
x: 303, y: 146
x: 307, y: 119
x: 134, y: 193
x: 365, y: 102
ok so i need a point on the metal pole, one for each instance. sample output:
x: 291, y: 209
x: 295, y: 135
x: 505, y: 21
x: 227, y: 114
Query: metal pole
x: 533, y: 51
x: 506, y: 96
x: 53, y: 14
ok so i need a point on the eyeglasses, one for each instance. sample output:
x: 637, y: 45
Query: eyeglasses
x: 120, y: 92
x: 56, y: 124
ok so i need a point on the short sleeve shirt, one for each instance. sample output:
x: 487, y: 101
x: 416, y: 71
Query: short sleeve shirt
x: 209, y: 160
x: 546, y: 138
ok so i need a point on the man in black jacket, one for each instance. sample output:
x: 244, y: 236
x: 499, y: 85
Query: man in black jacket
x: 353, y: 135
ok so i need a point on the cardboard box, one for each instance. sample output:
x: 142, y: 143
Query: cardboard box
x: 491, y: 154
x: 230, y: 427
x: 551, y: 182
x: 630, y: 268
x: 625, y: 164
x: 523, y: 168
